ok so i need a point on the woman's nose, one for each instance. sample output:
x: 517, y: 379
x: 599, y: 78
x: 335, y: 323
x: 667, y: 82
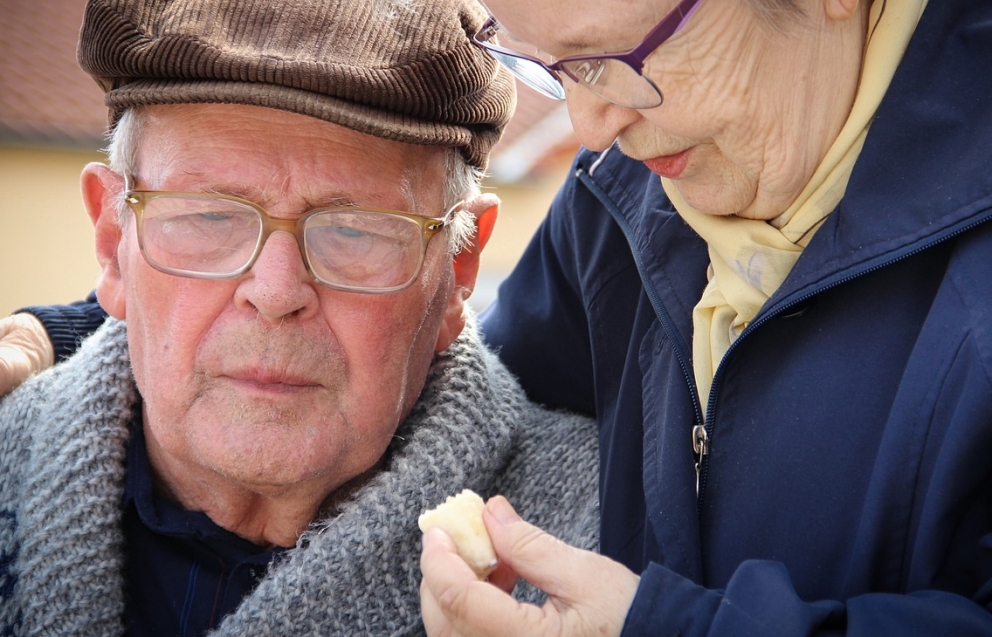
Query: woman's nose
x: 597, y: 122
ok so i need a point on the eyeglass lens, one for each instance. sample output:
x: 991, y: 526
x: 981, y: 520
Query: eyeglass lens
x: 215, y: 237
x: 532, y: 74
x: 614, y: 81
x: 608, y: 77
x: 363, y: 249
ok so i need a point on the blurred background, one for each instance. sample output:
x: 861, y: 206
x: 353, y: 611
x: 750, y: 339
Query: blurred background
x: 52, y: 121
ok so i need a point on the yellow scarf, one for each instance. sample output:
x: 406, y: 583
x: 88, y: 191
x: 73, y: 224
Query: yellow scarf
x: 749, y: 259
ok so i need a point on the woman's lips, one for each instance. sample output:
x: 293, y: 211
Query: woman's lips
x: 670, y: 166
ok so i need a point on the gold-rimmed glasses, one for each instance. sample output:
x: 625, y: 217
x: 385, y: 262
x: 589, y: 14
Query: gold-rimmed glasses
x: 212, y: 236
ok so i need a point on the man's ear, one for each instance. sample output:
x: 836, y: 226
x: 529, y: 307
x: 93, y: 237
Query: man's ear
x: 485, y: 209
x: 840, y: 10
x: 101, y: 188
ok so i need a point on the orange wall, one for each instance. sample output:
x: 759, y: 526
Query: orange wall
x: 46, y: 242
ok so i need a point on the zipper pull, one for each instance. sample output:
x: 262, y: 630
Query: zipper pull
x: 701, y: 445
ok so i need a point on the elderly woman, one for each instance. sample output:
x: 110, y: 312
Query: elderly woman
x: 768, y: 277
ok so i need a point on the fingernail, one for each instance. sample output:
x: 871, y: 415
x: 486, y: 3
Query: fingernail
x: 435, y: 535
x: 500, y: 509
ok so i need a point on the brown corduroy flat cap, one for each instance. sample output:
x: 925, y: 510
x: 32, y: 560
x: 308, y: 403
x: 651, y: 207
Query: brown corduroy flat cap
x: 404, y: 70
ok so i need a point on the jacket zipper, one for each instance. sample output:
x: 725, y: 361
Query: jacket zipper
x: 702, y: 430
x: 700, y: 434
x: 700, y: 445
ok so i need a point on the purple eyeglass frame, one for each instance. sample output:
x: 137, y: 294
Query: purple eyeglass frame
x: 634, y: 58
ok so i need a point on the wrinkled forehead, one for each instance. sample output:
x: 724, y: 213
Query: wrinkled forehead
x: 565, y: 27
x: 262, y: 154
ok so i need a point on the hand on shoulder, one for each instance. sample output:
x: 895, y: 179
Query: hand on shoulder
x: 24, y: 349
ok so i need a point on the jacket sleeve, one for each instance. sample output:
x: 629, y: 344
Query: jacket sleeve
x: 760, y: 601
x: 537, y: 324
x: 68, y: 325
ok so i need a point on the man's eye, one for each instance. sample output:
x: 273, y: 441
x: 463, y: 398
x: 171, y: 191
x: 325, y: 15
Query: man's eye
x: 214, y: 216
x: 350, y: 232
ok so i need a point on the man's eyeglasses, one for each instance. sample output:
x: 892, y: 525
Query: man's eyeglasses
x: 615, y: 77
x: 210, y: 236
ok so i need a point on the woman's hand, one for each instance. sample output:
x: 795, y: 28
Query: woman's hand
x: 588, y: 594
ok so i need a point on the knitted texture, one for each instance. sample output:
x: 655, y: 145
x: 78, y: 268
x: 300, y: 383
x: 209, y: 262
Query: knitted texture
x: 60, y: 493
x: 63, y: 437
x: 395, y: 69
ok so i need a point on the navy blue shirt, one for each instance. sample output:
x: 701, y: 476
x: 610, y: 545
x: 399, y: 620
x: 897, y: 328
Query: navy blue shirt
x: 184, y: 573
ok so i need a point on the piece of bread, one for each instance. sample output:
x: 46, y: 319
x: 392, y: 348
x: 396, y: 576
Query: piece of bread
x: 460, y: 516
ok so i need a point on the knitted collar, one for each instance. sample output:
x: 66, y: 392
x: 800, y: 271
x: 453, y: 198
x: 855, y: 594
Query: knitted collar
x: 354, y: 573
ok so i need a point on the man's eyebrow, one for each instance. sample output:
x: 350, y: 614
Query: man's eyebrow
x: 259, y: 196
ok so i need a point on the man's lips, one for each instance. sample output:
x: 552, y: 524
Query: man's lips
x: 670, y: 166
x: 271, y: 381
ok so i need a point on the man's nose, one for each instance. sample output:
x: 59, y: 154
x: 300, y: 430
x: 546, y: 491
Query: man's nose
x: 279, y: 284
x: 597, y: 122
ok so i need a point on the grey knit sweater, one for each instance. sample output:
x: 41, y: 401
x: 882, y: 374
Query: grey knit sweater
x: 63, y: 439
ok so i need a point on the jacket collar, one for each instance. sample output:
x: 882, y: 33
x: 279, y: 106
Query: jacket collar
x: 925, y: 172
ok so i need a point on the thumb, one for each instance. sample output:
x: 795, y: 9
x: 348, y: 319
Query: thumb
x: 538, y: 557
x: 587, y: 592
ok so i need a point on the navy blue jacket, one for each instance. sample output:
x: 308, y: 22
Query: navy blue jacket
x: 848, y: 484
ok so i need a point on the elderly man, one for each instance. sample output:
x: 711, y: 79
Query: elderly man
x: 288, y: 229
